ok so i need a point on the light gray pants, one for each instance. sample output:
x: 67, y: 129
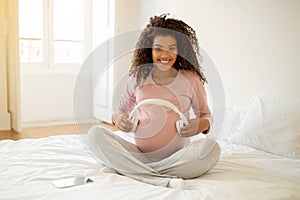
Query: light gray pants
x: 127, y: 159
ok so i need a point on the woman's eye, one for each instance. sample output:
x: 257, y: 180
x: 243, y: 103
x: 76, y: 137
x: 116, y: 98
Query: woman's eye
x: 172, y: 49
x: 158, y: 49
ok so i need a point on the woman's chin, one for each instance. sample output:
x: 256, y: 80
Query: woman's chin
x: 164, y: 67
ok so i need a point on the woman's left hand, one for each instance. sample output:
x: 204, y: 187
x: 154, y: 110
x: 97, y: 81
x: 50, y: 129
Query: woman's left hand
x: 191, y: 129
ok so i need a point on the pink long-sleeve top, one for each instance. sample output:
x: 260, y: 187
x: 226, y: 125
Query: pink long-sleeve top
x: 156, y: 133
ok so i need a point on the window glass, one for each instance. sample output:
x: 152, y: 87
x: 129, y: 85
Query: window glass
x: 68, y: 31
x: 31, y: 30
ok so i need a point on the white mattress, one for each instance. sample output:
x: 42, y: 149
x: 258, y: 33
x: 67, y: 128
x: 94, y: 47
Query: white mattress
x: 27, y: 167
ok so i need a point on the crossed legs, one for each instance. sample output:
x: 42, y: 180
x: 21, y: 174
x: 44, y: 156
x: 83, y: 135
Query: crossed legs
x: 127, y: 159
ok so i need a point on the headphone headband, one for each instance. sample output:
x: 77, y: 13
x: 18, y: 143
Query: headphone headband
x: 159, y: 102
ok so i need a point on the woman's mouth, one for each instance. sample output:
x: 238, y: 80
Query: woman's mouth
x: 164, y: 61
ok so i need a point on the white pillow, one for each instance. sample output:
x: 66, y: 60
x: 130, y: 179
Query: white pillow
x: 271, y: 124
x: 232, y: 120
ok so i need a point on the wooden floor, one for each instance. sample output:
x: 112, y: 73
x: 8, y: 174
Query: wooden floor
x: 40, y: 132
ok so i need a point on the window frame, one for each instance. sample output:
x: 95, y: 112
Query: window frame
x: 48, y: 42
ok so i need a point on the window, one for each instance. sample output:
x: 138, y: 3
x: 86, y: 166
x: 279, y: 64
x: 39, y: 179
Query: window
x: 60, y: 33
x: 31, y: 31
x: 68, y: 31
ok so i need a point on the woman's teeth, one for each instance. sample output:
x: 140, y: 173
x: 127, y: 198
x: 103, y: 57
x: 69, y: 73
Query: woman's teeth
x: 164, y: 61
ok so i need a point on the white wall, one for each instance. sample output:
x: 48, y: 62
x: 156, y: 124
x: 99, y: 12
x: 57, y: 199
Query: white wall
x: 47, y: 96
x: 254, y: 44
x: 127, y: 15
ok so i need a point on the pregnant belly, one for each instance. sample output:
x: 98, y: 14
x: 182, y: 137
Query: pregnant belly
x: 157, y: 135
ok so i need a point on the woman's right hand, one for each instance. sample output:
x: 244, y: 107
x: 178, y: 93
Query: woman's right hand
x: 122, y: 122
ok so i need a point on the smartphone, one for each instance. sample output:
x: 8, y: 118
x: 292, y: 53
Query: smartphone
x: 70, y: 182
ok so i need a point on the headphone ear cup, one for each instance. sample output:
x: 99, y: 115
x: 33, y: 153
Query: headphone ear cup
x: 134, y: 121
x: 179, y: 124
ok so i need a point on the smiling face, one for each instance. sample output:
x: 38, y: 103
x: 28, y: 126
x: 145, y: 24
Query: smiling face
x: 164, y: 51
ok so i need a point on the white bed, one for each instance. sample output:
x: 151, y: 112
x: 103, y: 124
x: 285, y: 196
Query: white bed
x: 27, y: 167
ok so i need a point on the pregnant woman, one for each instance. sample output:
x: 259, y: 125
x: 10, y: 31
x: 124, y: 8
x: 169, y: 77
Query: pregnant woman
x: 165, y: 71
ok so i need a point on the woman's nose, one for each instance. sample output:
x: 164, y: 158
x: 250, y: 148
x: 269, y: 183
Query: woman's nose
x: 165, y: 54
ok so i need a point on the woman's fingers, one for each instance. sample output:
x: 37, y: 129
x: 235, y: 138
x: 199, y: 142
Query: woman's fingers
x: 186, y: 127
x: 124, y: 124
x: 190, y: 129
x: 184, y: 133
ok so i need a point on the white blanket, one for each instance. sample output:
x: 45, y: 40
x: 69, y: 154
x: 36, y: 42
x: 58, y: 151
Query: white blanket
x: 27, y: 167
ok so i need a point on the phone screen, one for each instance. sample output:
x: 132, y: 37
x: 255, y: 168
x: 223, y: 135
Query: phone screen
x: 70, y: 182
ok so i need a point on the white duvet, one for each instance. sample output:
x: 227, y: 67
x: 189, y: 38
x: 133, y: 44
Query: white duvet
x: 27, y: 167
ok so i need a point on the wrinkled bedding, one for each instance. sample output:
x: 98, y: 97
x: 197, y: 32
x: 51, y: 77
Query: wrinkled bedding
x: 27, y: 167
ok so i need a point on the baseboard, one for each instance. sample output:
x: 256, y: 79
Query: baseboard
x: 5, y: 124
x: 56, y: 122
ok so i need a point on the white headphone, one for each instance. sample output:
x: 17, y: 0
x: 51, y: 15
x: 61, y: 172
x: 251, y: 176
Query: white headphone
x: 135, y: 118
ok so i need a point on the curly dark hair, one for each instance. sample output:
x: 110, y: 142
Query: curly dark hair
x: 188, y: 47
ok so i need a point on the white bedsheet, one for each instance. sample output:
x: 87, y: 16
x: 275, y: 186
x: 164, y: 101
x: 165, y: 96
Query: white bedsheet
x: 27, y: 167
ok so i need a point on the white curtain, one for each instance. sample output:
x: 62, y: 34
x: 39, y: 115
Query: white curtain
x: 10, y: 116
